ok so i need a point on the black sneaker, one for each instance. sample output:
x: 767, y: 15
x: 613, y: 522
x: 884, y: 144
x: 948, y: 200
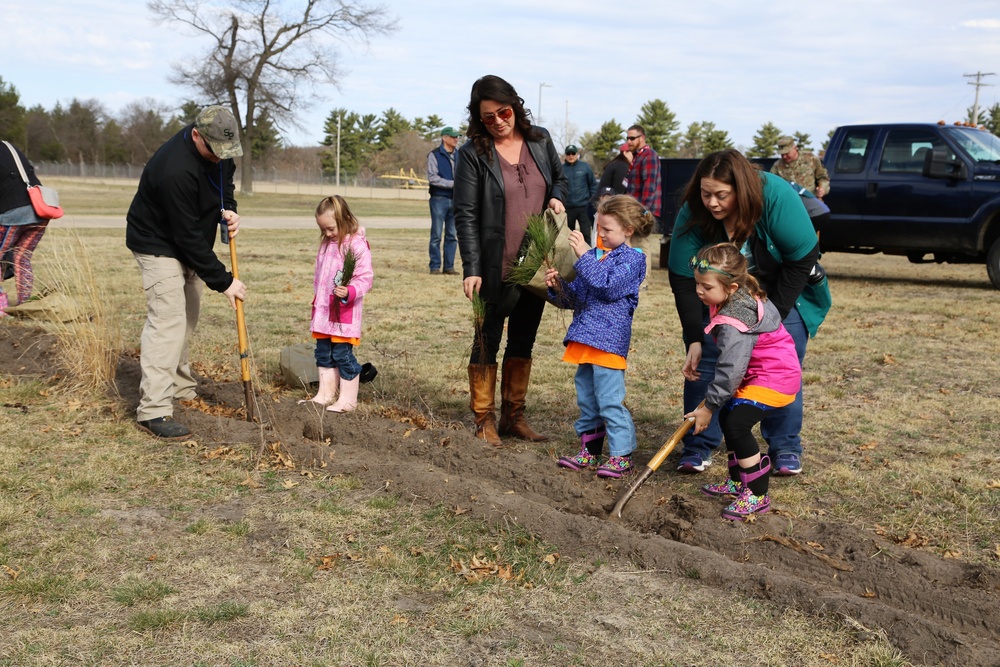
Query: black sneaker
x: 165, y: 428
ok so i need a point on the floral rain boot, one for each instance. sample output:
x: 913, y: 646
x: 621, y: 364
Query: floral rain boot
x: 591, y: 445
x: 753, y: 499
x: 732, y: 487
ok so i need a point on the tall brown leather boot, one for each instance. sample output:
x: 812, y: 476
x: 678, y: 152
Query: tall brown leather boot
x: 513, y: 388
x: 482, y: 401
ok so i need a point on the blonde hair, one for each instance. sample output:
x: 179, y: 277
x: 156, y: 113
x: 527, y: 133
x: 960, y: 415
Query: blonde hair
x: 346, y: 223
x: 629, y: 213
x: 726, y: 258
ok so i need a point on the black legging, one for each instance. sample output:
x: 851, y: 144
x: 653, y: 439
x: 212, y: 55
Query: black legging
x: 522, y: 327
x: 737, y: 424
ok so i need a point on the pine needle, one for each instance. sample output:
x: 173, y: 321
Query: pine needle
x: 350, y: 261
x: 537, y: 250
x: 478, y: 317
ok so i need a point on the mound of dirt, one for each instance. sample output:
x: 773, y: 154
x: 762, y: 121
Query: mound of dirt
x: 938, y: 612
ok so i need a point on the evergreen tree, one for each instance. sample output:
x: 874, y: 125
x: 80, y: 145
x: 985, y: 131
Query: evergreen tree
x: 803, y: 141
x: 715, y: 140
x: 390, y: 124
x: 12, y: 116
x: 661, y: 125
x: 266, y: 140
x: 603, y: 146
x: 765, y: 142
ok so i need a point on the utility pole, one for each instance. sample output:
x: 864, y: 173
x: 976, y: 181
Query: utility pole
x: 978, y: 84
x: 339, y: 118
x: 540, y: 86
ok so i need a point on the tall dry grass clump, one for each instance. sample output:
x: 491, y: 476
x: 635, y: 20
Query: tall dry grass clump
x: 84, y: 315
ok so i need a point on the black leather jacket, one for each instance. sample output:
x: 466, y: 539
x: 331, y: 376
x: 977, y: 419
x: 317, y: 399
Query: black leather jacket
x: 479, y: 208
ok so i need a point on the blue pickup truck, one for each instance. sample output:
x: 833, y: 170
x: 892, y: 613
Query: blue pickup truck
x: 929, y: 192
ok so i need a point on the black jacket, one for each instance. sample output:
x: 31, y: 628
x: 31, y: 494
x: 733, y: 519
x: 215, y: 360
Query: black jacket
x: 178, y: 206
x: 479, y: 207
x: 13, y: 191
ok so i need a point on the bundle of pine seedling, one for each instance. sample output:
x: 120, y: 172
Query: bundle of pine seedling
x: 537, y: 250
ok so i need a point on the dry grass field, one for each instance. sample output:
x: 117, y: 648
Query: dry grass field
x: 224, y: 550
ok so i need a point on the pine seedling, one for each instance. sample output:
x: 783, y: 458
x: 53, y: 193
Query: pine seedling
x: 538, y: 250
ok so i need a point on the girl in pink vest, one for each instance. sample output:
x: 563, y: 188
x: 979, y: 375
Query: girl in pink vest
x: 758, y: 370
x: 338, y: 303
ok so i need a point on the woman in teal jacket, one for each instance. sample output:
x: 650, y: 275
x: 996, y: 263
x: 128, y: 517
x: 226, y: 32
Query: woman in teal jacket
x: 728, y: 199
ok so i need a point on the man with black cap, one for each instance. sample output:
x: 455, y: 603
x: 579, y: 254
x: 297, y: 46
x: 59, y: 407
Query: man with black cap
x: 441, y: 177
x: 185, y: 194
x: 580, y: 191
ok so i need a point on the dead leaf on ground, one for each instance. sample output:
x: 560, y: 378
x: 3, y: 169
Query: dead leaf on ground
x: 888, y: 359
x: 551, y: 559
x: 289, y: 484
x: 993, y: 484
x: 996, y: 552
x: 948, y: 553
x: 14, y: 573
x: 912, y: 539
x: 869, y: 593
x: 867, y: 446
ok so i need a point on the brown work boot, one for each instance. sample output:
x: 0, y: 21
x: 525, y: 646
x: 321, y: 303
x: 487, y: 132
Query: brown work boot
x: 482, y: 401
x: 513, y: 387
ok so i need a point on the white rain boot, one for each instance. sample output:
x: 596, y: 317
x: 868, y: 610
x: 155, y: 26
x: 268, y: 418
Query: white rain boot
x: 329, y: 379
x: 348, y: 396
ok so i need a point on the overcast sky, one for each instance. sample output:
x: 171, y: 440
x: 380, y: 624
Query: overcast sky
x: 804, y: 66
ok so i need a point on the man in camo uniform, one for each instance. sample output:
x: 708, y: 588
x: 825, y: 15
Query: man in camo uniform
x: 803, y: 168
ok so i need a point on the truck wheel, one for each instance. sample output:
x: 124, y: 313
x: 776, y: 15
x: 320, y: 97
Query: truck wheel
x: 993, y: 263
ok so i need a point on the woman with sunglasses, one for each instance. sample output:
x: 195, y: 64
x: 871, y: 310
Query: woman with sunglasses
x: 729, y: 199
x: 507, y: 171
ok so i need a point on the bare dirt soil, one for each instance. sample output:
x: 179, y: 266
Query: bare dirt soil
x: 938, y: 612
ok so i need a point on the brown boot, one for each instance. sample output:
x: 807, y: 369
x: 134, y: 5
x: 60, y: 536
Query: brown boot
x: 513, y: 387
x: 482, y: 401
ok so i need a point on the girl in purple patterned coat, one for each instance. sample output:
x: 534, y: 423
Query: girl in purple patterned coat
x: 338, y: 303
x: 603, y: 297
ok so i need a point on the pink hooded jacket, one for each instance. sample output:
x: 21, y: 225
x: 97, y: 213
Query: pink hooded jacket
x: 341, y: 317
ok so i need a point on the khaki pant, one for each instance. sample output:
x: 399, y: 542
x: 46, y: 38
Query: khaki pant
x: 173, y: 301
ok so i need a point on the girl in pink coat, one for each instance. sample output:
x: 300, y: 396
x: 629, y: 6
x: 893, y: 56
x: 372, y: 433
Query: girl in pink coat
x: 758, y: 370
x: 338, y: 302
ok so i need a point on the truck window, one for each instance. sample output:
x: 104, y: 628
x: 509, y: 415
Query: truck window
x: 905, y: 150
x: 982, y: 146
x: 853, y: 152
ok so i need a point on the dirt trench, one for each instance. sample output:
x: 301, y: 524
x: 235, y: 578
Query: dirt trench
x: 938, y: 612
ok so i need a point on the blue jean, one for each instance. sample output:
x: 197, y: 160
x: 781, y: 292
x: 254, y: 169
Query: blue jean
x: 600, y: 394
x: 442, y: 217
x: 780, y: 427
x: 337, y: 355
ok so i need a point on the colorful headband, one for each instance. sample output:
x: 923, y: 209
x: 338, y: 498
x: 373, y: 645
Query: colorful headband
x: 702, y: 266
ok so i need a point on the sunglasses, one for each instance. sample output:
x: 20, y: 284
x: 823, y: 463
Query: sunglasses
x: 702, y: 266
x: 491, y: 118
x: 635, y: 138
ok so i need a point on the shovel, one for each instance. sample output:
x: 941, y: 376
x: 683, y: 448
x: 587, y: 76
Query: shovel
x: 241, y: 329
x: 651, y: 467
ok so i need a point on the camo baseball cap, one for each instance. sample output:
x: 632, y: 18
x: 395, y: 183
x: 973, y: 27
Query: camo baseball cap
x: 218, y: 127
x: 785, y: 145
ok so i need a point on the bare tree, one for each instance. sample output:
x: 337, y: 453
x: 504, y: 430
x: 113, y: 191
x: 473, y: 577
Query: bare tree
x: 264, y: 53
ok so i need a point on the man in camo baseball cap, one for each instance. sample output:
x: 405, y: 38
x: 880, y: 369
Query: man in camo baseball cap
x: 218, y: 127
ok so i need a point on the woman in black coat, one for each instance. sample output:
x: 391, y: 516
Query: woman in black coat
x: 507, y: 171
x: 20, y: 228
x: 615, y: 171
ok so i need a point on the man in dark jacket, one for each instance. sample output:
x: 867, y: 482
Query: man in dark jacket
x: 185, y: 193
x: 581, y: 186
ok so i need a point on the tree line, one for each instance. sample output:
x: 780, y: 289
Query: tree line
x: 85, y: 132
